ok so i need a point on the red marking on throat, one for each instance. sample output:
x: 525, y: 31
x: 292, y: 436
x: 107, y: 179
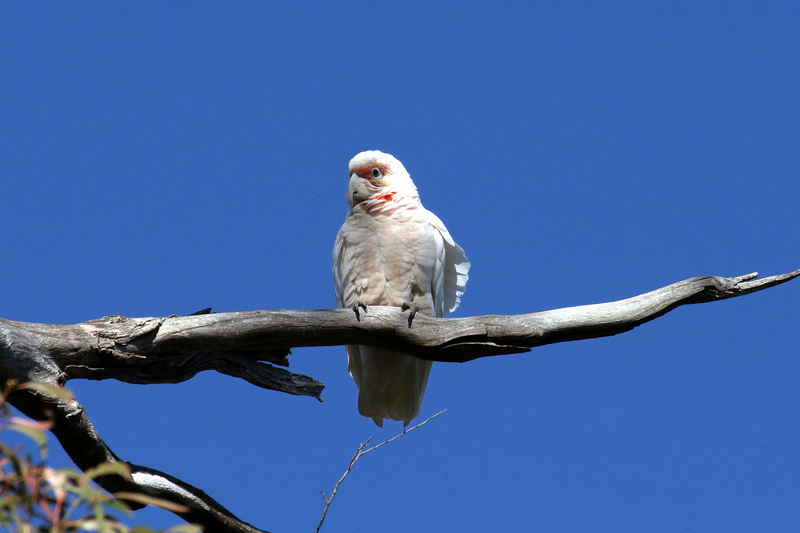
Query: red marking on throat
x: 385, y: 197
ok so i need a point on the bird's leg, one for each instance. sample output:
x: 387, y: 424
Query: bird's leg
x: 410, y: 307
x: 363, y: 306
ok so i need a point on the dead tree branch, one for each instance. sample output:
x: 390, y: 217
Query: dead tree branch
x: 249, y: 344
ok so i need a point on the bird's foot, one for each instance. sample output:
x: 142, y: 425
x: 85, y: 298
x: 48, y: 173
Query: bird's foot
x: 410, y: 307
x: 363, y: 306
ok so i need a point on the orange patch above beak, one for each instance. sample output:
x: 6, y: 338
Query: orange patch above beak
x: 366, y: 171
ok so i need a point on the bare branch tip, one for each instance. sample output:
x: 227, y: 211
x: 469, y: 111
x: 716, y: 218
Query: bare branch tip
x: 739, y: 279
x: 359, y: 453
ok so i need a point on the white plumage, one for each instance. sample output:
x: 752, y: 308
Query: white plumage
x: 392, y: 251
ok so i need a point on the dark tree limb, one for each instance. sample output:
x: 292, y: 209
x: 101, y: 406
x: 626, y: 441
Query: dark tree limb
x: 77, y: 435
x: 243, y: 344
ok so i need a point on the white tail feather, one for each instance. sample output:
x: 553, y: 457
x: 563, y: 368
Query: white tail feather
x: 391, y: 384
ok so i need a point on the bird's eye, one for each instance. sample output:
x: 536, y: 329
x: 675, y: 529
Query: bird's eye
x: 377, y: 173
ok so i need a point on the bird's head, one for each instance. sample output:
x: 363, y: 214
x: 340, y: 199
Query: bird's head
x: 378, y: 176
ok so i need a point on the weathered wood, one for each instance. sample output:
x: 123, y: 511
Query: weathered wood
x: 122, y: 348
x: 248, y: 344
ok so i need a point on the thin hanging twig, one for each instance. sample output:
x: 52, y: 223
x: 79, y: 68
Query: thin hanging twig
x: 359, y: 453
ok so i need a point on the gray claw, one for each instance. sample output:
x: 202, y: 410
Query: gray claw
x: 363, y: 306
x: 413, y: 308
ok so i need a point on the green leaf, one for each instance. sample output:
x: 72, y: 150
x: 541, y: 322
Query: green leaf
x: 186, y: 528
x: 46, y: 388
x: 105, y: 469
x: 150, y: 500
x: 36, y: 435
x: 18, y: 464
x: 118, y: 506
x: 141, y: 529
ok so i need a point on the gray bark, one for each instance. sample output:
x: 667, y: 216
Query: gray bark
x: 248, y: 345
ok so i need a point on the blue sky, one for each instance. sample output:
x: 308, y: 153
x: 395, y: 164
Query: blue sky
x: 162, y: 157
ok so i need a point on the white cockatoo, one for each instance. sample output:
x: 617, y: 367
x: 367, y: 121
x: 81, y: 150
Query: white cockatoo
x: 392, y: 251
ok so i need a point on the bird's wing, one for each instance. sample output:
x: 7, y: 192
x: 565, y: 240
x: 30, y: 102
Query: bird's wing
x: 338, y: 260
x: 453, y: 273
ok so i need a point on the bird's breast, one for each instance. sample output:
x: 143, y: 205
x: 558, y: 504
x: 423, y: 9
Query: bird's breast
x: 389, y: 258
